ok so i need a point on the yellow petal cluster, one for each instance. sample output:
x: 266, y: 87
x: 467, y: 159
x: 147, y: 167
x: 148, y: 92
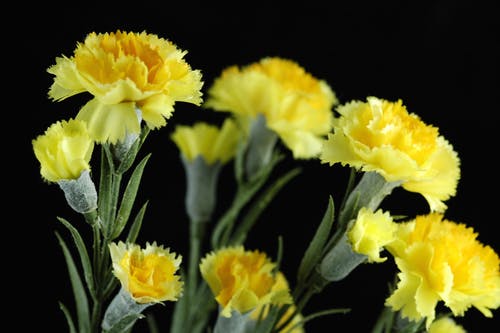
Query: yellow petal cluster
x: 440, y: 260
x: 371, y: 232
x: 294, y: 326
x: 126, y: 72
x: 445, y: 325
x: 64, y: 150
x: 379, y: 135
x: 148, y: 274
x: 296, y: 105
x: 212, y: 143
x: 242, y: 280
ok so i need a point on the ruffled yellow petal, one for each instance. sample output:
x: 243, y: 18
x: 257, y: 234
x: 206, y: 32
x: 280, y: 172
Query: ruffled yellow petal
x: 212, y: 143
x: 444, y: 262
x: 371, y: 232
x: 241, y: 280
x: 64, y: 150
x: 148, y: 274
x: 381, y: 136
x: 109, y: 123
x: 126, y: 68
x: 296, y: 105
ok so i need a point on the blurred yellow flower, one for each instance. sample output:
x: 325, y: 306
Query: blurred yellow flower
x: 371, y: 232
x: 132, y: 76
x: 281, y: 284
x: 382, y: 136
x: 148, y: 274
x: 296, y: 105
x: 64, y: 150
x: 212, y: 143
x: 242, y: 280
x: 440, y: 260
x: 445, y: 325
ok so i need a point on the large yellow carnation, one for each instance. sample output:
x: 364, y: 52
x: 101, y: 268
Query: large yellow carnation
x: 440, y: 260
x: 242, y: 280
x: 296, y: 105
x: 132, y: 76
x: 381, y: 136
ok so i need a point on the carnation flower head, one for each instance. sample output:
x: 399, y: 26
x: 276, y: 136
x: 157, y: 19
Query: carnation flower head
x: 381, y: 136
x: 371, y: 232
x: 214, y: 144
x: 296, y: 105
x: 128, y: 74
x: 242, y: 280
x: 64, y: 150
x: 440, y: 260
x: 148, y: 274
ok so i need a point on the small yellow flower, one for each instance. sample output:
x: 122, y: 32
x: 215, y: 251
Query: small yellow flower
x: 440, y: 260
x: 281, y: 284
x: 445, y: 325
x: 64, y: 150
x: 212, y: 143
x: 148, y: 274
x: 242, y: 280
x: 382, y: 136
x: 126, y: 72
x: 296, y: 105
x: 371, y: 232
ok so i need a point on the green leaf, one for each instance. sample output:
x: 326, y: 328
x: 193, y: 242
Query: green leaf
x: 69, y: 320
x: 105, y: 195
x: 84, y: 257
x: 82, y: 305
x: 313, y: 253
x: 260, y: 204
x: 129, y: 198
x: 136, y: 225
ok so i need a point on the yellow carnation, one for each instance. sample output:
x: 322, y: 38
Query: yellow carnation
x: 296, y: 105
x: 382, y: 136
x: 64, y: 150
x: 126, y: 73
x: 440, y: 260
x: 212, y: 143
x: 242, y: 280
x: 371, y: 232
x: 148, y: 274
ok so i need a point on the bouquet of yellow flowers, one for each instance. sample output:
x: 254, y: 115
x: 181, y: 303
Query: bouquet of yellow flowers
x: 270, y: 107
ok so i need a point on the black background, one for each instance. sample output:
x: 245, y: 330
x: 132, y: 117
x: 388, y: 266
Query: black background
x: 440, y: 58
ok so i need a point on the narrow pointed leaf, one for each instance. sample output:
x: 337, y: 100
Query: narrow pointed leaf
x: 104, y: 196
x: 129, y: 198
x: 84, y: 257
x: 136, y: 225
x: 82, y: 305
x: 313, y: 253
x: 69, y: 320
